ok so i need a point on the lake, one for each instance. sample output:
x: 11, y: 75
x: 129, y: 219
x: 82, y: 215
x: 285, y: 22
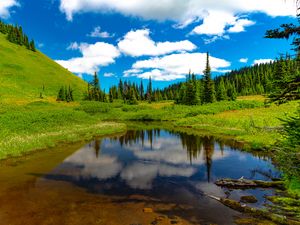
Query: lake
x: 146, y: 176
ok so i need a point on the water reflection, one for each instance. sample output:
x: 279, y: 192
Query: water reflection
x: 148, y: 159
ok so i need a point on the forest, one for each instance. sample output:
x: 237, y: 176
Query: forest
x: 261, y: 79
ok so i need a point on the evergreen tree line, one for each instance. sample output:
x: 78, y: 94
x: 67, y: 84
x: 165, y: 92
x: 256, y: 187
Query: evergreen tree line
x: 131, y: 93
x: 255, y: 80
x: 200, y: 91
x: 128, y: 92
x: 15, y: 35
x: 268, y: 78
x: 94, y: 92
x: 258, y: 79
x: 65, y: 94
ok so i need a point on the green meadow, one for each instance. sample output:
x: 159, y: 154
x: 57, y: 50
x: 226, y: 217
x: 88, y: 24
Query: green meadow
x: 26, y: 75
x: 41, y: 124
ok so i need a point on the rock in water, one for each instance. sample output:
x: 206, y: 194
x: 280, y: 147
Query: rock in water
x: 248, y: 199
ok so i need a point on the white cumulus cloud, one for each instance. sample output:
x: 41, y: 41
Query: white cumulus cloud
x: 5, y: 5
x: 214, y: 23
x: 109, y: 75
x: 93, y: 57
x: 243, y: 60
x: 174, y: 66
x: 262, y: 61
x: 217, y: 17
x: 138, y: 43
x: 239, y: 25
x: 97, y: 32
x: 219, y: 23
x: 177, y: 10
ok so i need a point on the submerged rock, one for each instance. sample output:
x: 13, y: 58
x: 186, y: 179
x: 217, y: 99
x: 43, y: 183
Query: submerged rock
x: 248, y: 199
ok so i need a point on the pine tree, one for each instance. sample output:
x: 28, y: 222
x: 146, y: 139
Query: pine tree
x: 120, y: 89
x: 280, y: 78
x: 181, y: 96
x: 61, y: 94
x: 191, y: 95
x: 111, y: 96
x: 221, y: 91
x: 132, y: 97
x: 291, y: 88
x: 149, y: 91
x: 32, y: 46
x: 142, y: 91
x: 231, y: 92
x: 69, y: 94
x: 209, y: 89
x: 94, y: 92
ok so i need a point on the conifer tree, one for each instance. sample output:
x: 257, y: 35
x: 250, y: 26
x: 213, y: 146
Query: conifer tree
x: 94, y: 92
x: 149, y: 91
x: 231, y: 92
x: 32, y: 46
x: 209, y: 89
x: 221, y: 91
x: 61, y: 94
x: 142, y: 91
x: 132, y: 97
x: 120, y: 89
x: 191, y: 95
x: 111, y: 96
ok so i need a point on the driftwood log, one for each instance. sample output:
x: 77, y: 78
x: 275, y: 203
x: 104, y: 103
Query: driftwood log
x: 243, y: 208
x: 245, y: 183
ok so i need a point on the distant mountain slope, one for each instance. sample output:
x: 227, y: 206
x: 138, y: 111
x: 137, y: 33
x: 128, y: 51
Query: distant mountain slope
x: 25, y: 74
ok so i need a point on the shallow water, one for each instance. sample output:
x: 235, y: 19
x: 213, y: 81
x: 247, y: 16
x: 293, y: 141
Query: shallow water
x: 112, y: 180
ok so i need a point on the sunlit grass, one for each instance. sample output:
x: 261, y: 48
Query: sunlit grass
x: 24, y: 74
x: 259, y: 98
x: 258, y: 126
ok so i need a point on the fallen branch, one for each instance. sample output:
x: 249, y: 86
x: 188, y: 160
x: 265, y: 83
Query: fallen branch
x: 245, y: 183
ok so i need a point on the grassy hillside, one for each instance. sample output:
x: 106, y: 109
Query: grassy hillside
x: 23, y: 74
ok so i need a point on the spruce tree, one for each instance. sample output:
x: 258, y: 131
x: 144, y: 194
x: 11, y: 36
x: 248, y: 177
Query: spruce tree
x: 209, y: 89
x: 149, y: 91
x: 142, y: 91
x: 221, y: 91
x: 231, y: 92
x: 111, y: 97
x: 61, y: 94
x: 120, y: 89
x: 132, y: 97
x: 191, y: 95
x: 32, y: 46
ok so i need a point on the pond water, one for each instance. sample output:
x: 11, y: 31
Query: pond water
x: 116, y: 180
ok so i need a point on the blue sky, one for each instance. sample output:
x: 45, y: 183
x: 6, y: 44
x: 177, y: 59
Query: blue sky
x: 163, y: 39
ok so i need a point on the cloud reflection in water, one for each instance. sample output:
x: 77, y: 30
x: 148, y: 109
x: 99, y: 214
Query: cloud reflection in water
x: 139, y: 157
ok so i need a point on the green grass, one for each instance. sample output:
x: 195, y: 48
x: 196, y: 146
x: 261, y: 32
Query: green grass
x: 39, y: 125
x: 245, y: 120
x: 23, y: 74
x: 256, y: 126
